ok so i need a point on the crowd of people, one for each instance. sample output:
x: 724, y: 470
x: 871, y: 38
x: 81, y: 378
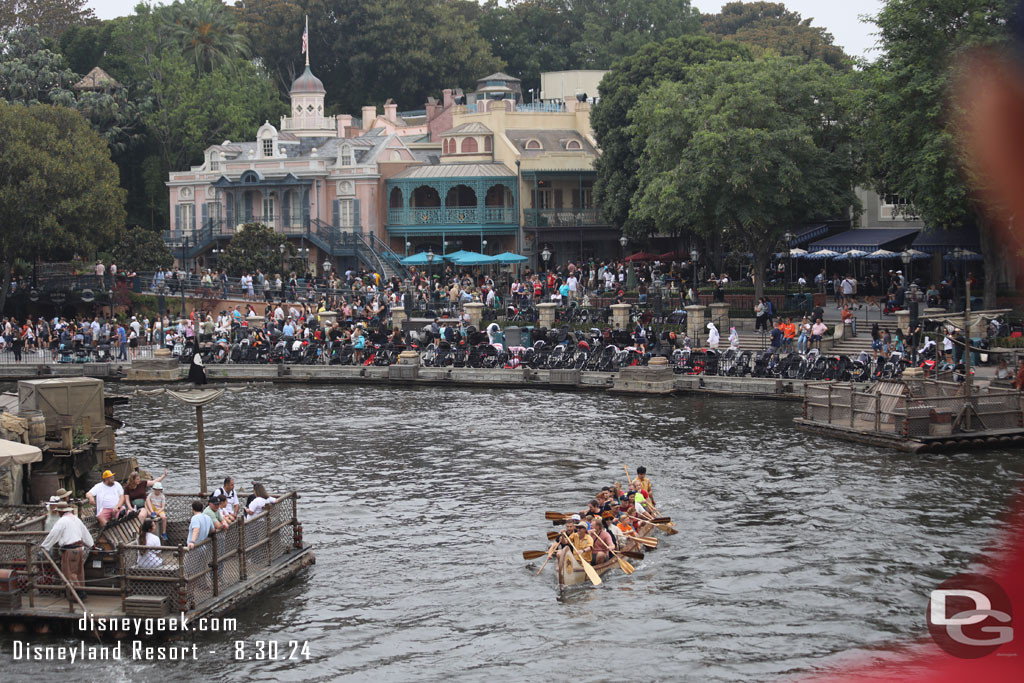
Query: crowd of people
x: 114, y: 502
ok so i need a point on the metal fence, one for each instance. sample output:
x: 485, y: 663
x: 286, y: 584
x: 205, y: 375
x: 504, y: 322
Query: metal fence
x: 92, y: 353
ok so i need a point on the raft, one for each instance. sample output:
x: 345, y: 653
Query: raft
x: 574, y: 575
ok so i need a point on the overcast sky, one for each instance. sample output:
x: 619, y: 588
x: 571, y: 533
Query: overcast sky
x: 840, y: 17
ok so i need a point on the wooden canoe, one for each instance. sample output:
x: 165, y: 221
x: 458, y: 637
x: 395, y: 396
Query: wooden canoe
x: 574, y: 574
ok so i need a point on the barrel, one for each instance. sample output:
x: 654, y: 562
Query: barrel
x: 36, y: 426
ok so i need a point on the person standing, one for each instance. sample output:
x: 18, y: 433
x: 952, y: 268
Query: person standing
x: 73, y: 538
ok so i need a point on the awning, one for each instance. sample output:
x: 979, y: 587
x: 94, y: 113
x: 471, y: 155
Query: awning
x: 942, y: 241
x: 807, y: 234
x: 14, y: 453
x: 867, y: 239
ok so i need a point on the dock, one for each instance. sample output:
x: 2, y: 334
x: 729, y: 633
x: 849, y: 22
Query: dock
x: 210, y: 580
x: 916, y: 416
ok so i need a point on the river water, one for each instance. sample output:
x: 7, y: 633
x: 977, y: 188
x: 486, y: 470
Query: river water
x: 795, y: 553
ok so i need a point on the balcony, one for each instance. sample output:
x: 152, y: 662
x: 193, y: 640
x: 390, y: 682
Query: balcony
x: 490, y: 215
x: 563, y: 218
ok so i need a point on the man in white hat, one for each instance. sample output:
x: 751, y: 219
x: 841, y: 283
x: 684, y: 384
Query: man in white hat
x: 73, y: 538
x: 51, y: 507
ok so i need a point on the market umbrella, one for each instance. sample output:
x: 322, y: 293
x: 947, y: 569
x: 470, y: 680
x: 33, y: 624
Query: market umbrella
x: 963, y: 255
x: 823, y: 254
x: 470, y: 258
x: 418, y: 259
x: 852, y: 253
x: 674, y: 256
x: 642, y: 256
x: 509, y: 257
x: 883, y: 253
x: 798, y: 253
x: 915, y: 254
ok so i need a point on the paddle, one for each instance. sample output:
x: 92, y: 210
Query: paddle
x: 592, y: 574
x: 626, y: 567
x: 534, y: 554
x: 644, y: 541
x: 556, y: 515
x: 552, y: 535
x: 551, y: 551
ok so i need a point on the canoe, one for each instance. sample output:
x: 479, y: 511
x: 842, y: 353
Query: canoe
x: 574, y: 574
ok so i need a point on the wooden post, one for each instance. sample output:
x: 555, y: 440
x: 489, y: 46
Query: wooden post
x: 31, y: 567
x: 851, y: 405
x: 878, y: 412
x: 182, y: 584
x: 202, y: 450
x: 213, y: 566
x: 121, y: 569
x: 241, y: 546
x: 830, y: 404
x: 968, y: 384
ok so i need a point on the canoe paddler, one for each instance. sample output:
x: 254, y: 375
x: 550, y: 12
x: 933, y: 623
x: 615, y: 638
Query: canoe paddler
x: 639, y: 499
x: 602, y: 541
x: 584, y: 544
x: 563, y: 538
x: 643, y: 483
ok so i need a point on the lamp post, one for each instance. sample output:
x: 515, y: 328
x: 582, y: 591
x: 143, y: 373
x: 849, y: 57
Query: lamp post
x: 623, y: 241
x: 546, y: 255
x: 184, y: 247
x: 788, y: 237
x: 694, y: 255
x: 914, y: 297
x: 430, y: 272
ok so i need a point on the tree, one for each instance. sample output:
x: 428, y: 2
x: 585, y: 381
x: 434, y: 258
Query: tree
x: 770, y: 29
x: 613, y: 29
x: 204, y: 31
x: 529, y: 36
x: 911, y: 149
x: 617, y: 166
x: 749, y: 149
x: 140, y: 249
x: 369, y: 51
x: 255, y: 247
x: 53, y: 17
x: 59, y: 194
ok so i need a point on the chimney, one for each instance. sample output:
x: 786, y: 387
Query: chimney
x: 446, y: 97
x: 431, y: 108
x: 343, y: 122
x: 391, y: 110
x: 369, y: 114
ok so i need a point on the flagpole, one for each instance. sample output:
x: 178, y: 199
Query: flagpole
x: 307, y: 40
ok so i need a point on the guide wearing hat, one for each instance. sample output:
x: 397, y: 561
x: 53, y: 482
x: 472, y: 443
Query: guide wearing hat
x: 74, y: 540
x: 108, y: 497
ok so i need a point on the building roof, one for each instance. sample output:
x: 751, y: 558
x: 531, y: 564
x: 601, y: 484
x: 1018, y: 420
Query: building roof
x: 457, y: 171
x: 307, y: 83
x: 550, y: 140
x: 97, y: 79
x: 866, y: 239
x: 498, y: 76
x: 472, y: 127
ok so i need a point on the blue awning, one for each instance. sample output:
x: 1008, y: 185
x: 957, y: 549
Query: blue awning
x: 867, y: 239
x: 808, y: 234
x: 934, y: 240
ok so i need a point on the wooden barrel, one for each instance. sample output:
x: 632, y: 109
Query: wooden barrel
x: 36, y: 426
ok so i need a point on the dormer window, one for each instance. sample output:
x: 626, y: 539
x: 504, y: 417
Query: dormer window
x: 533, y: 144
x: 573, y: 144
x: 268, y: 147
x: 347, y: 159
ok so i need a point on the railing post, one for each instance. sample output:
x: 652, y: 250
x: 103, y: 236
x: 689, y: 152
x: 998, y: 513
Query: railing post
x: 241, y: 547
x: 270, y: 527
x: 182, y: 583
x: 296, y: 527
x: 122, y: 570
x: 878, y: 412
x: 30, y: 567
x: 214, y: 566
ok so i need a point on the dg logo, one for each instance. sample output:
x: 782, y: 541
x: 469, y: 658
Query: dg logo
x: 970, y: 616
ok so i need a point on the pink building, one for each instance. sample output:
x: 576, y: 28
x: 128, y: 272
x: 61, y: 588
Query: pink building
x: 317, y: 180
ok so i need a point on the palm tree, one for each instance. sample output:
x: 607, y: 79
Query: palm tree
x: 204, y: 31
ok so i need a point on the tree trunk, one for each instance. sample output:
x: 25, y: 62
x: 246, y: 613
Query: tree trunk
x: 990, y: 250
x: 5, y: 278
x: 760, y: 264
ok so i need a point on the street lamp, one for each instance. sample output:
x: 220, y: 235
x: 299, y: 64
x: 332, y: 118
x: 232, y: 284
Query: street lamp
x: 408, y: 246
x: 430, y: 271
x: 546, y: 254
x: 184, y: 246
x: 914, y: 296
x: 282, y: 249
x: 907, y: 260
x: 694, y: 254
x: 483, y: 246
x: 788, y: 237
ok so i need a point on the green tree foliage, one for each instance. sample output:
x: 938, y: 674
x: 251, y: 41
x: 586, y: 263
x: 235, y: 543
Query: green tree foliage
x: 140, y: 249
x: 910, y: 145
x: 746, y: 148
x: 255, y: 247
x: 59, y: 194
x: 366, y: 52
x: 533, y: 36
x: 617, y: 166
x: 53, y: 17
x: 770, y: 29
x: 204, y: 31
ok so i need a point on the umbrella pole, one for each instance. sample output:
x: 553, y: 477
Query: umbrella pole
x: 202, y: 449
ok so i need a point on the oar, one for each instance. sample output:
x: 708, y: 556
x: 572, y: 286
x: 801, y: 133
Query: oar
x: 656, y: 521
x: 626, y: 567
x: 552, y: 535
x: 644, y: 540
x: 592, y: 574
x: 556, y: 515
x: 533, y: 554
x: 551, y: 552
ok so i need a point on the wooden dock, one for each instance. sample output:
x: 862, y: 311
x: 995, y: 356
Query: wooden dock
x: 227, y: 569
x: 916, y: 416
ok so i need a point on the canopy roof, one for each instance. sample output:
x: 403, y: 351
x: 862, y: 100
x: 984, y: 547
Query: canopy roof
x: 866, y: 239
x: 15, y: 453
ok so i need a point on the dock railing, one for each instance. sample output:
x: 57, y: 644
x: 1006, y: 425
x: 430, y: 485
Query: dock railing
x: 912, y: 409
x: 187, y: 577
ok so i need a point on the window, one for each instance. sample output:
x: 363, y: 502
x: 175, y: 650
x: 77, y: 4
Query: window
x: 268, y: 147
x: 487, y: 143
x: 895, y: 207
x: 396, y: 155
x: 347, y: 159
x: 533, y: 144
x: 188, y: 217
x: 544, y: 199
x: 573, y: 144
x: 345, y: 213
x: 268, y: 208
x: 587, y: 198
x: 469, y: 146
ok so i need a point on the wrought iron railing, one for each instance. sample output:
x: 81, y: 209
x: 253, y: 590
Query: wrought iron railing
x: 562, y: 218
x: 459, y: 215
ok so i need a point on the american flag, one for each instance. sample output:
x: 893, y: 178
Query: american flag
x: 305, y: 40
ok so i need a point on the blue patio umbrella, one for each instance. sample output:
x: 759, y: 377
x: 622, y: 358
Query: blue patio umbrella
x: 509, y: 257
x: 963, y: 255
x: 471, y: 258
x: 418, y: 259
